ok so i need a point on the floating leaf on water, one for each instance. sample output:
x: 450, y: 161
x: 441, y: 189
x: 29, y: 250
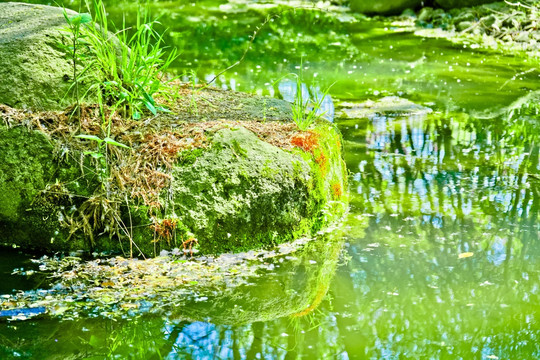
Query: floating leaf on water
x: 58, y: 310
x: 465, y: 255
x: 129, y: 306
x: 107, y: 284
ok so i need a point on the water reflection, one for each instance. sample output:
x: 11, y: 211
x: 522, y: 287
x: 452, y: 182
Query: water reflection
x: 448, y: 267
x: 444, y: 165
x: 223, y: 321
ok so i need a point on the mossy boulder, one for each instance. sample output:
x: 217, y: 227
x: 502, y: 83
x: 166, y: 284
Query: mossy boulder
x: 241, y: 192
x: 231, y: 192
x: 237, y: 192
x: 383, y: 7
x: 31, y: 216
x: 244, y: 193
x: 34, y: 69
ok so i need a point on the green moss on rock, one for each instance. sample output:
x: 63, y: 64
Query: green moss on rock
x: 451, y: 4
x: 243, y: 193
x: 383, y: 7
x: 31, y: 57
x: 25, y: 169
x: 30, y: 216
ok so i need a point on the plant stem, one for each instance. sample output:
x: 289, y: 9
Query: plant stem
x: 75, y: 79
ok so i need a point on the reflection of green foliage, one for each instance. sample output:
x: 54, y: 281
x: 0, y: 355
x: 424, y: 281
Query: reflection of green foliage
x: 297, y: 282
x: 458, y: 172
x: 134, y: 340
x: 296, y: 290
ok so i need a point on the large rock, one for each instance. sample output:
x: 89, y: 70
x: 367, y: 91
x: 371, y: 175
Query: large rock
x: 245, y: 193
x: 57, y: 193
x: 34, y: 71
x: 238, y: 193
x: 384, y: 7
x: 31, y: 207
x: 451, y: 4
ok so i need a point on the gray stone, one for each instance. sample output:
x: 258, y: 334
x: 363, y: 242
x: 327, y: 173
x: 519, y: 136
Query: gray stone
x: 426, y: 14
x: 34, y: 69
x: 464, y: 25
x: 464, y: 16
x: 522, y: 36
x: 488, y: 21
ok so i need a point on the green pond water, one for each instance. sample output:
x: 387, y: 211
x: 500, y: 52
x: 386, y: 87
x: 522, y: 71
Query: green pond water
x: 439, y: 257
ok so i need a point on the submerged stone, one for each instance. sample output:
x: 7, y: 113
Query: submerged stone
x: 387, y: 105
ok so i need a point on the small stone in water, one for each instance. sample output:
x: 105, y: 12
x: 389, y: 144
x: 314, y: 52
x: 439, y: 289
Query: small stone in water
x: 164, y: 253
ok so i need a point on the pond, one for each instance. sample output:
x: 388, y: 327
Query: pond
x: 439, y: 257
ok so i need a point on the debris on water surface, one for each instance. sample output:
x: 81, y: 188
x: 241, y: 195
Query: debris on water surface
x: 120, y: 287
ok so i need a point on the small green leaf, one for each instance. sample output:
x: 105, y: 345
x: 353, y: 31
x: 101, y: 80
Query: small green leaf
x: 136, y: 115
x: 163, y: 109
x: 150, y: 107
x: 94, y: 154
x: 90, y: 137
x: 66, y: 17
x: 75, y: 20
x: 147, y: 96
x: 115, y: 143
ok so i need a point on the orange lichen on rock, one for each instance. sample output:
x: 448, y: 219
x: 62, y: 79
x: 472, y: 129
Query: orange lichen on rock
x: 309, y: 141
x: 306, y: 141
x: 322, y: 160
x: 319, y: 296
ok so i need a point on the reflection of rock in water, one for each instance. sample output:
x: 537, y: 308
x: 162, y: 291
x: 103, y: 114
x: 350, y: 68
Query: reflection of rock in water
x: 292, y: 284
x: 295, y: 286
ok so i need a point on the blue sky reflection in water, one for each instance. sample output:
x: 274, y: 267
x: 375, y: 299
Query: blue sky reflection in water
x: 440, y: 256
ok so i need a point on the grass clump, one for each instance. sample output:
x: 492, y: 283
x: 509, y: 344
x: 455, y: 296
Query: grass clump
x: 122, y: 70
x: 129, y: 68
x: 306, y: 109
x: 74, y: 27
